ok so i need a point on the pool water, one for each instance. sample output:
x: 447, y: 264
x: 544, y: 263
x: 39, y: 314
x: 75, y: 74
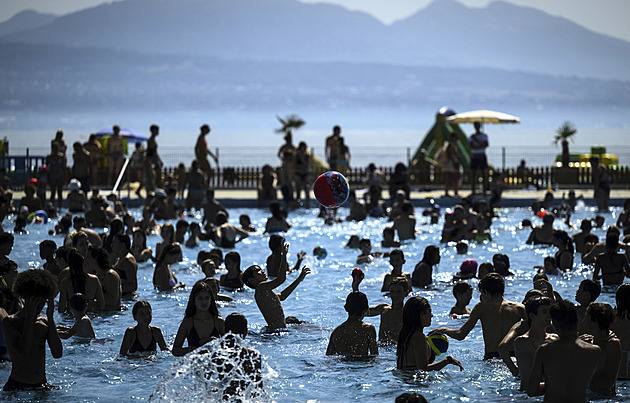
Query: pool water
x: 295, y: 365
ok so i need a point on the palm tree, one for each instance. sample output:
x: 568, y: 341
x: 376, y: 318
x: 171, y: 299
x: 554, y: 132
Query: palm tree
x: 564, y: 133
x: 289, y: 123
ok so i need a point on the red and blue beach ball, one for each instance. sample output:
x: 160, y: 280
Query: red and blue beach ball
x: 331, y: 189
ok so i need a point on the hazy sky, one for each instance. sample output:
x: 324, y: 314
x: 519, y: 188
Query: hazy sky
x: 605, y: 16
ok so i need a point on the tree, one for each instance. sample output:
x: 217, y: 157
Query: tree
x: 564, y: 133
x: 289, y: 123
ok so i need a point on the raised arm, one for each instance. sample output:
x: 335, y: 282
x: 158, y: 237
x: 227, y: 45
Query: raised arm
x: 282, y: 271
x: 287, y: 291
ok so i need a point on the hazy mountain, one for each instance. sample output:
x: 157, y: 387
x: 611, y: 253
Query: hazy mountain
x: 24, y: 21
x: 444, y: 34
x: 91, y: 78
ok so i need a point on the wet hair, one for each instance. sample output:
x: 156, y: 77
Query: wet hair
x: 532, y: 304
x: 622, y: 297
x: 124, y: 239
x: 202, y: 256
x: 76, y: 236
x: 397, y: 252
x: 48, y: 243
x: 276, y: 211
x: 486, y: 267
x: 430, y: 253
x: 77, y: 275
x: 586, y: 225
x: 602, y: 314
x: 139, y: 305
x: 221, y: 218
x: 353, y: 242
x: 35, y: 283
x: 564, y: 237
x: 364, y: 241
x: 493, y: 284
x: 548, y: 218
x: 531, y: 294
x: 170, y: 227
x: 234, y: 257
x: 410, y: 397
x: 388, y: 231
x: 591, y: 238
x: 612, y: 241
x: 462, y: 247
x: 413, y: 310
x: 502, y: 257
x: 206, y: 263
x: 356, y: 303
x: 100, y: 255
x: 144, y: 238
x: 191, y: 308
x: 592, y: 287
x: 236, y: 323
x: 78, y: 302
x: 564, y: 315
x: 461, y: 287
x: 171, y: 249
x: 248, y: 274
x: 550, y: 259
x: 181, y: 223
x: 62, y: 253
x: 275, y: 241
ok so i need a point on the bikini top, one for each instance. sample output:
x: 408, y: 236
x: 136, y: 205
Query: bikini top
x: 138, y: 347
x: 193, y: 337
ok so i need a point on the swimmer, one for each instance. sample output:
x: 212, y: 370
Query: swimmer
x: 211, y: 209
x: 215, y: 288
x: 276, y: 258
x: 501, y: 264
x: 246, y: 223
x: 163, y: 277
x: 79, y: 281
x: 195, y: 233
x: 600, y: 248
x: 391, y: 314
x: 233, y: 279
x: 142, y: 337
x: 354, y: 337
x: 278, y: 220
x: 167, y: 232
x: 405, y: 223
x: 621, y: 327
x: 201, y: 322
x: 413, y: 351
x: 269, y: 302
x: 125, y: 264
x: 612, y: 264
x: 225, y: 235
x: 485, y: 268
x: 181, y: 228
x: 353, y: 242
x: 542, y: 235
x: 597, y: 323
x: 47, y: 249
x: 462, y: 291
x: 83, y: 325
x: 567, y: 364
x: 423, y: 272
x: 525, y: 346
x: 396, y: 260
x: 587, y: 292
x: 388, y: 238
x: 462, y: 247
x: 579, y: 239
x: 367, y: 255
x: 208, y: 268
x: 110, y: 280
x: 141, y: 252
x: 497, y: 316
x: 27, y: 332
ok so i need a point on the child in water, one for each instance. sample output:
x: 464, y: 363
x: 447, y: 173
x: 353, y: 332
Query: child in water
x: 83, y: 325
x: 26, y: 332
x: 462, y: 291
x: 142, y: 337
x: 391, y: 314
x: 268, y: 301
x: 354, y: 337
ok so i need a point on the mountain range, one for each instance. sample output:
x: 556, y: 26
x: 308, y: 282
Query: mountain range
x: 252, y: 52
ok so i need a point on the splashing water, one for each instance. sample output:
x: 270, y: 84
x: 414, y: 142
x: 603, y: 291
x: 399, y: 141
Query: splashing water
x: 223, y: 369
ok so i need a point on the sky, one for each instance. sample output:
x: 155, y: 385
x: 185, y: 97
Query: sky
x: 603, y: 16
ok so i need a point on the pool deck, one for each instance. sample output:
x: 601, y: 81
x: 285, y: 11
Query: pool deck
x: 232, y: 198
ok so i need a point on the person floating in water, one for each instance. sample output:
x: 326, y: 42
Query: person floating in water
x: 268, y: 301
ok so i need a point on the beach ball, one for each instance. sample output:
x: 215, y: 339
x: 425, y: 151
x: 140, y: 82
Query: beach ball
x: 320, y: 252
x: 438, y: 343
x: 331, y: 189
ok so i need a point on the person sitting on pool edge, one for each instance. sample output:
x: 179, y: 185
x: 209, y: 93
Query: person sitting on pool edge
x: 497, y: 316
x: 269, y: 302
x: 26, y: 332
x: 354, y: 337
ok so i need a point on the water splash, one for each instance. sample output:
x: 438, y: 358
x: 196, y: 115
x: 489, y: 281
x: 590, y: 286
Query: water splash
x: 223, y: 369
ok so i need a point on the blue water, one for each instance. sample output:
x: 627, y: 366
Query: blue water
x: 295, y: 366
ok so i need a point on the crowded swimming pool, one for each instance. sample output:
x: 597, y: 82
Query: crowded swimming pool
x: 296, y: 368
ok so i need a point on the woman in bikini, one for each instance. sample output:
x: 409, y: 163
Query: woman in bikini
x: 413, y: 351
x: 163, y: 277
x: 78, y: 281
x: 167, y: 232
x: 564, y: 256
x: 201, y: 322
x: 142, y: 337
